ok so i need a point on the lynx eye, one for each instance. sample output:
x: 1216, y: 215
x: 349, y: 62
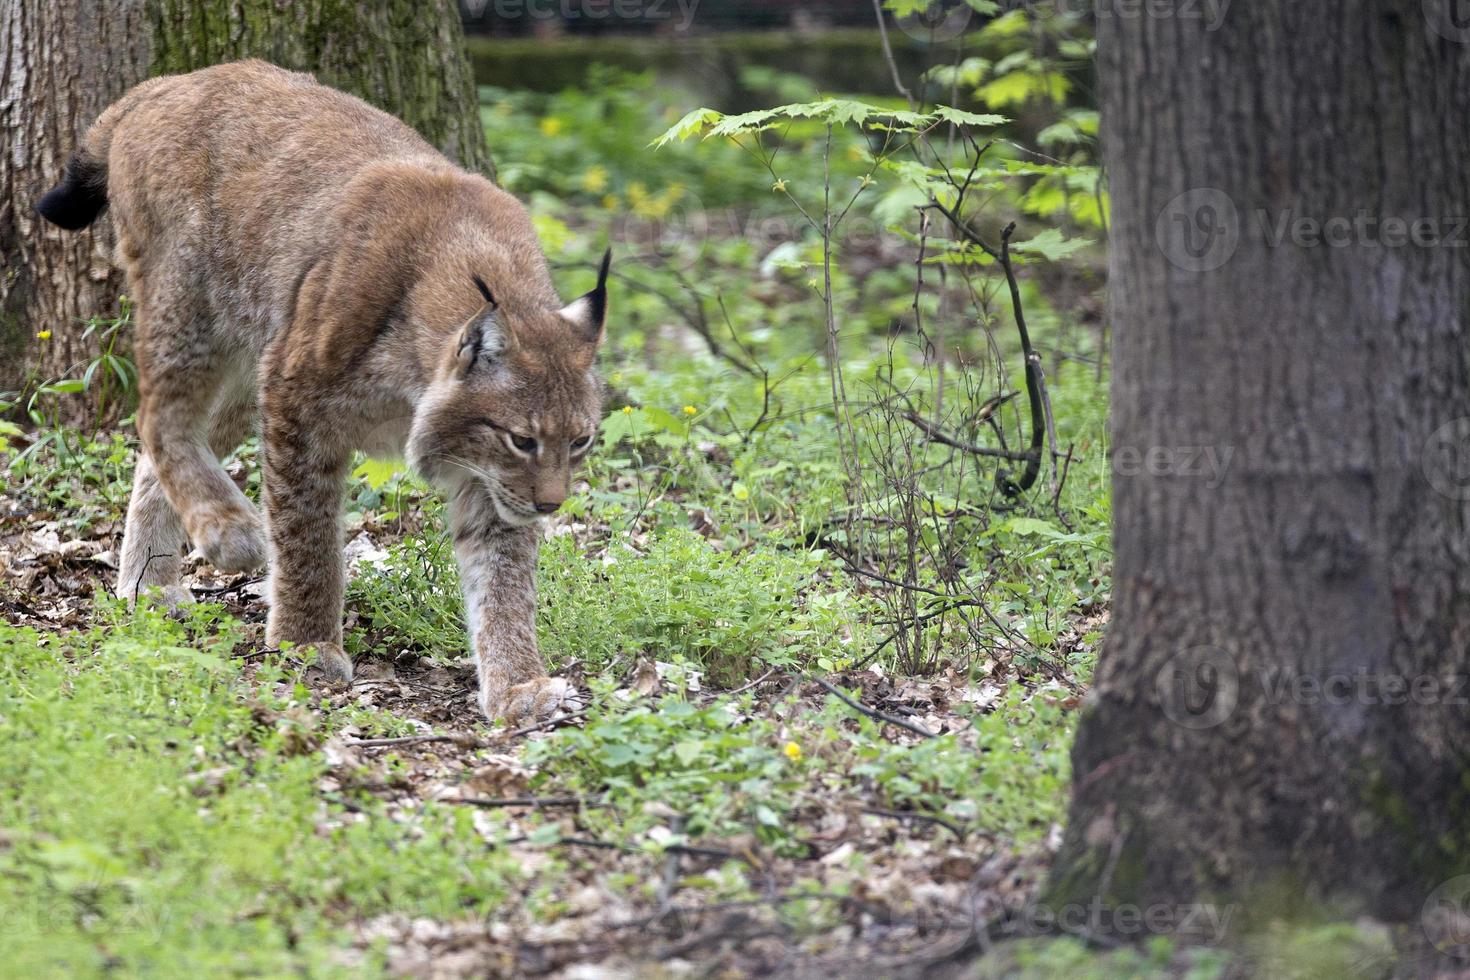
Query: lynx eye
x: 580, y: 444
x: 524, y: 444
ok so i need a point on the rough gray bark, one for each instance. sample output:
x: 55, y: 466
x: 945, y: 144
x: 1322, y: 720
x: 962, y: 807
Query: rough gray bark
x: 61, y: 64
x: 63, y: 61
x: 406, y: 57
x: 1236, y: 748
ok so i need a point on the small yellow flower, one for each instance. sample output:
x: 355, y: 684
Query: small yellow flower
x: 595, y: 179
x: 610, y: 201
x: 43, y: 335
x: 690, y: 410
x: 550, y: 126
x: 792, y: 751
x: 627, y: 409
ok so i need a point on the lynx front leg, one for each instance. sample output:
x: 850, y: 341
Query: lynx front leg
x: 497, y: 564
x: 302, y: 479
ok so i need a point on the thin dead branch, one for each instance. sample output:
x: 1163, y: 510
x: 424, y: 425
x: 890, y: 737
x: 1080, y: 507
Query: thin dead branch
x: 873, y: 713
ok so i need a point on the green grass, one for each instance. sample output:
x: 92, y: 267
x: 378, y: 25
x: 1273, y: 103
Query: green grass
x: 159, y: 815
x: 160, y: 811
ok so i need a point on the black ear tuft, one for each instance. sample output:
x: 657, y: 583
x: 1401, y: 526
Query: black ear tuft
x: 599, y: 294
x: 588, y: 312
x: 484, y: 290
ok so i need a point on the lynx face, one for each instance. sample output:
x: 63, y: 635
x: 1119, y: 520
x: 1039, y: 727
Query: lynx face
x: 515, y: 419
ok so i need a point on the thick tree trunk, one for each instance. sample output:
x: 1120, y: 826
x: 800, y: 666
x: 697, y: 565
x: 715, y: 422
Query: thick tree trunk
x: 63, y: 61
x: 406, y: 57
x: 61, y: 64
x: 1278, y: 723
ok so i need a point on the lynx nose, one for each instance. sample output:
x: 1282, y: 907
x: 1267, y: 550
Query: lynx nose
x: 548, y: 507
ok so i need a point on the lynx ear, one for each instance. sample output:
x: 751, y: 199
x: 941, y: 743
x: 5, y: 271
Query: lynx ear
x: 588, y: 312
x: 484, y: 336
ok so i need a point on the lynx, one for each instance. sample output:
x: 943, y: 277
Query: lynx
x: 301, y: 259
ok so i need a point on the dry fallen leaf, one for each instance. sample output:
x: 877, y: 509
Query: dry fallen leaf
x: 645, y: 678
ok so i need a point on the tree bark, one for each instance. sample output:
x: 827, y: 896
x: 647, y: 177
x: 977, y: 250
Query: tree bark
x: 61, y: 64
x: 1246, y: 742
x: 63, y: 61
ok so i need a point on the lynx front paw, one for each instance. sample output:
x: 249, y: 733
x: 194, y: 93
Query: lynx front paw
x: 531, y: 701
x: 230, y: 540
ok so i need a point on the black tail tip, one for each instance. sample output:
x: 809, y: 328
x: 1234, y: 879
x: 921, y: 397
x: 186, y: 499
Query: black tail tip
x: 81, y: 196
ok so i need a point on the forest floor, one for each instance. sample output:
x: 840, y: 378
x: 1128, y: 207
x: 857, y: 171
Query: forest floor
x: 804, y: 822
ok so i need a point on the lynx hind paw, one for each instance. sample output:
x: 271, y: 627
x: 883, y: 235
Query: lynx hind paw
x: 170, y: 597
x: 232, y: 543
x: 535, y: 700
x: 332, y: 665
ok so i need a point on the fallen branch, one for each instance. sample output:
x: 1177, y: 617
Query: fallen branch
x: 466, y: 740
x: 606, y: 845
x: 548, y: 723
x: 754, y: 683
x: 914, y: 727
x: 463, y: 740
x: 953, y: 828
x: 531, y: 801
x: 235, y: 586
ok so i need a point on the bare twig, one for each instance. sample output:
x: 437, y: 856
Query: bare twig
x: 742, y: 689
x: 1056, y: 497
x: 694, y: 316
x: 1035, y: 379
x: 235, y: 586
x: 935, y: 434
x: 950, y: 826
x: 888, y: 54
x: 462, y: 739
x: 837, y: 692
x: 138, y: 585
x: 719, y: 854
x: 548, y: 723
x: 537, y: 802
x: 670, y: 882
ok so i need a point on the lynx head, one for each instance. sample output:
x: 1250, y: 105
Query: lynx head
x: 516, y: 403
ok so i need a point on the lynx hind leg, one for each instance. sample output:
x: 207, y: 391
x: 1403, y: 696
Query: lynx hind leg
x: 154, y: 539
x: 153, y: 542
x: 180, y: 403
